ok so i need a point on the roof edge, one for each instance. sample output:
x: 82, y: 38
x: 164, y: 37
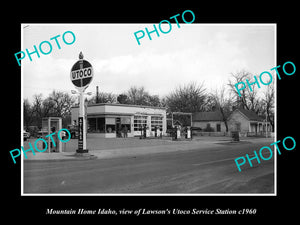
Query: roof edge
x: 123, y: 105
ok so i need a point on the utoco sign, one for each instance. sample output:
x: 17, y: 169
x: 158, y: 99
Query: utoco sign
x: 78, y: 74
x: 81, y: 73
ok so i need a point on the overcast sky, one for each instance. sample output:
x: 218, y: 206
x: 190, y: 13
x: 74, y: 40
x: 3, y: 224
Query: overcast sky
x: 193, y: 52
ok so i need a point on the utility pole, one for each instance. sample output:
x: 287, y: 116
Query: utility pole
x: 97, y: 94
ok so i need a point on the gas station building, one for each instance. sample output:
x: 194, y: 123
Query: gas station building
x: 109, y: 120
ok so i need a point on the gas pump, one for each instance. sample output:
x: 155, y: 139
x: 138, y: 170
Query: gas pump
x: 188, y: 133
x: 49, y: 126
x: 145, y: 131
x: 178, y: 132
x: 157, y: 129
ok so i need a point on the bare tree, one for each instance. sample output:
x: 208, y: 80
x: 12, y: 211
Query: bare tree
x: 27, y: 113
x: 268, y: 103
x: 103, y: 97
x: 139, y: 96
x: 48, y: 108
x: 223, y: 103
x: 153, y: 100
x: 37, y: 108
x: 61, y: 103
x: 247, y: 99
x: 187, y: 98
x: 250, y: 99
x: 56, y: 104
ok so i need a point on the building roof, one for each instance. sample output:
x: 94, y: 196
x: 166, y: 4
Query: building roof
x: 217, y: 116
x: 251, y: 115
x: 208, y: 116
x: 121, y: 105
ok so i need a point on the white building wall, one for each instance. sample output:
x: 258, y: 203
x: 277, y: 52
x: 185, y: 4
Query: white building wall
x: 124, y: 109
x: 237, y: 117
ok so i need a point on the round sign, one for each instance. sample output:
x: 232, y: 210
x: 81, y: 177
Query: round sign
x: 81, y: 73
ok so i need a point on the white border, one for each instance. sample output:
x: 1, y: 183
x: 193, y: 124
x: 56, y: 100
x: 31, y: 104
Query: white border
x: 167, y: 194
x: 22, y: 117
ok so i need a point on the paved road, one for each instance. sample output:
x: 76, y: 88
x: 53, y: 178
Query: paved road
x: 208, y: 170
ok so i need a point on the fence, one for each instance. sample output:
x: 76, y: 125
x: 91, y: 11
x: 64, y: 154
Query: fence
x: 260, y: 134
x: 228, y: 134
x: 213, y: 134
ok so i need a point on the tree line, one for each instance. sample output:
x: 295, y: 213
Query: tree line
x: 191, y: 97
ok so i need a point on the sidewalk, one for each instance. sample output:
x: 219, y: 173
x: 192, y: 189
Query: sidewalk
x: 127, y: 150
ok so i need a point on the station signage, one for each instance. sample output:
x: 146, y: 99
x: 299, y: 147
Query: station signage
x: 81, y: 76
x: 81, y: 73
x: 80, y: 133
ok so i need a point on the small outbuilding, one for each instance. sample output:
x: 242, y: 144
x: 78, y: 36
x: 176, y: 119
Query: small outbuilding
x: 209, y: 121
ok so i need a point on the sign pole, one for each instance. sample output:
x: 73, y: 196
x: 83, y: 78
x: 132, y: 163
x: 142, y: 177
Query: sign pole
x: 81, y: 76
x: 81, y: 124
x: 82, y: 114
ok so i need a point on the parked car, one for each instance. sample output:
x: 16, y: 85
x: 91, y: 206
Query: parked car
x: 26, y: 135
x: 196, y: 129
x: 33, y: 130
x: 73, y: 130
x: 42, y: 133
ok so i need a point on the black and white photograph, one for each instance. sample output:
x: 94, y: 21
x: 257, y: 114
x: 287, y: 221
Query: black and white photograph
x: 137, y: 112
x: 108, y: 110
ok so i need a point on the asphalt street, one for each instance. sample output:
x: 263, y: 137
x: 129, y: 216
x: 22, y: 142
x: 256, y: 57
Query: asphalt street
x: 205, y: 170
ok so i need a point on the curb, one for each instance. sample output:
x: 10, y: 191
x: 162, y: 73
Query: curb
x: 73, y: 157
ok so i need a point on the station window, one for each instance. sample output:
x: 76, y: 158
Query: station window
x: 156, y: 121
x: 91, y: 124
x: 110, y: 128
x: 139, y: 121
x: 110, y: 124
x: 98, y: 125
